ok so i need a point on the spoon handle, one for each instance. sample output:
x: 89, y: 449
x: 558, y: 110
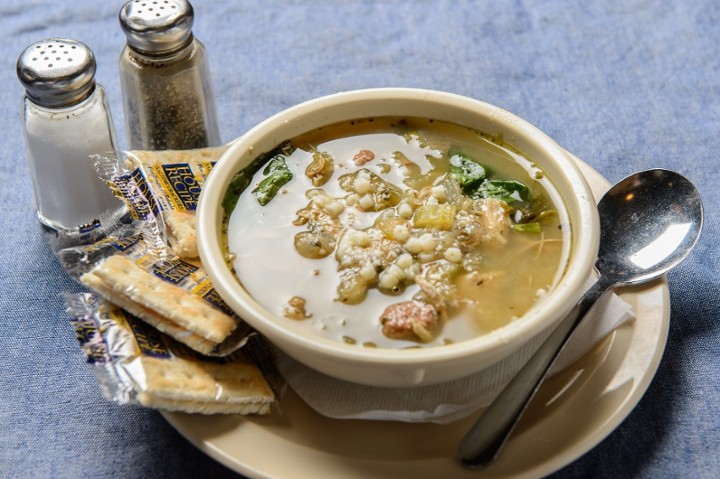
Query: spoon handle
x: 486, y: 438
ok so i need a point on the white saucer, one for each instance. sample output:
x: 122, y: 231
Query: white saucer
x: 573, y: 411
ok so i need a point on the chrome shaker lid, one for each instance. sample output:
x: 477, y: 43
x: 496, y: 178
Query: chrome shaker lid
x: 157, y: 26
x: 57, y: 72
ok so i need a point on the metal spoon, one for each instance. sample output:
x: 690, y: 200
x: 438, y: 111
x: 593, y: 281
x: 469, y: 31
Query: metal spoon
x: 649, y: 222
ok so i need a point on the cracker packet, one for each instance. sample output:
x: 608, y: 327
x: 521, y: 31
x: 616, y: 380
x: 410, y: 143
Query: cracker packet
x: 162, y: 186
x: 132, y: 269
x: 136, y: 364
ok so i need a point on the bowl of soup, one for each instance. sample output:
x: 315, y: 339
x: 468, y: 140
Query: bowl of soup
x: 397, y: 237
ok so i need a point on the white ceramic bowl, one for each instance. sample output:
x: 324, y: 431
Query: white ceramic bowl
x: 390, y: 367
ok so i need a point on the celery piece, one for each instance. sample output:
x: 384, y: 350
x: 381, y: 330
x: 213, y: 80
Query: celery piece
x: 533, y: 227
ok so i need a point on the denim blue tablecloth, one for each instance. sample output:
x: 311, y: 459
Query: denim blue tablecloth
x: 624, y: 85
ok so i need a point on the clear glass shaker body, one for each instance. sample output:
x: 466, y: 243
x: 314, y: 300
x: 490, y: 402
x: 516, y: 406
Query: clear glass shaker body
x: 168, y: 99
x: 59, y: 141
x: 66, y: 120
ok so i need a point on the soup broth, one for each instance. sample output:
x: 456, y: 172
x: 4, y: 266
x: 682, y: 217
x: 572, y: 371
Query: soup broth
x: 396, y: 232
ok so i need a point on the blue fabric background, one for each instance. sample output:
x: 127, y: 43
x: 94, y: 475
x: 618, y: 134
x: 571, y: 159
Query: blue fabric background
x: 623, y: 85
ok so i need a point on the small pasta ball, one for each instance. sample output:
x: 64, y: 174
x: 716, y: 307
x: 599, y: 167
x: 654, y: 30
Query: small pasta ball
x: 367, y: 272
x: 361, y: 185
x: 334, y: 208
x: 426, y: 257
x: 366, y: 202
x: 404, y: 261
x: 413, y: 245
x: 439, y: 193
x: 388, y: 280
x: 453, y: 254
x: 427, y: 243
x: 412, y: 271
x: 401, y: 233
x: 352, y: 199
x: 404, y: 210
x: 321, y: 200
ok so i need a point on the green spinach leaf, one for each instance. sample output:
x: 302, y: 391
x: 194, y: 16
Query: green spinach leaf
x: 242, y: 179
x: 278, y: 174
x: 469, y: 173
x: 505, y: 190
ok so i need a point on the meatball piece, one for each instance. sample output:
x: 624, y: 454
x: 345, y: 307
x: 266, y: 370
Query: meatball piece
x: 410, y: 320
x: 363, y: 156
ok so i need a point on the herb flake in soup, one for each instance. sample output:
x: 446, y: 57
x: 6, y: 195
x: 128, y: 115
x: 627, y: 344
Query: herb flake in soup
x: 396, y: 232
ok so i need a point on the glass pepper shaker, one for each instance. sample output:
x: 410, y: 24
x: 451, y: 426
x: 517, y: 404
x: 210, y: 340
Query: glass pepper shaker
x: 165, y: 78
x: 66, y: 119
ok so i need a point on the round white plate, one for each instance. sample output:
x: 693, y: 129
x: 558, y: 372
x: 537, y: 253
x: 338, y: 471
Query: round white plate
x: 573, y: 411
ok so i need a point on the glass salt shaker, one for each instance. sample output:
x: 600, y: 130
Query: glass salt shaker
x: 66, y: 119
x: 165, y: 78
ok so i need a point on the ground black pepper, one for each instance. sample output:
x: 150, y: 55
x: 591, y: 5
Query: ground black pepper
x: 165, y: 78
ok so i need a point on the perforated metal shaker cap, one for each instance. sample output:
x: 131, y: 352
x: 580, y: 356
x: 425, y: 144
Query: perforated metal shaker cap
x: 157, y: 26
x: 57, y: 72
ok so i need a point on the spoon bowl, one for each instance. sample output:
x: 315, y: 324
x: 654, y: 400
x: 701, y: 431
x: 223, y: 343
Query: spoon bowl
x: 662, y: 211
x: 649, y: 223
